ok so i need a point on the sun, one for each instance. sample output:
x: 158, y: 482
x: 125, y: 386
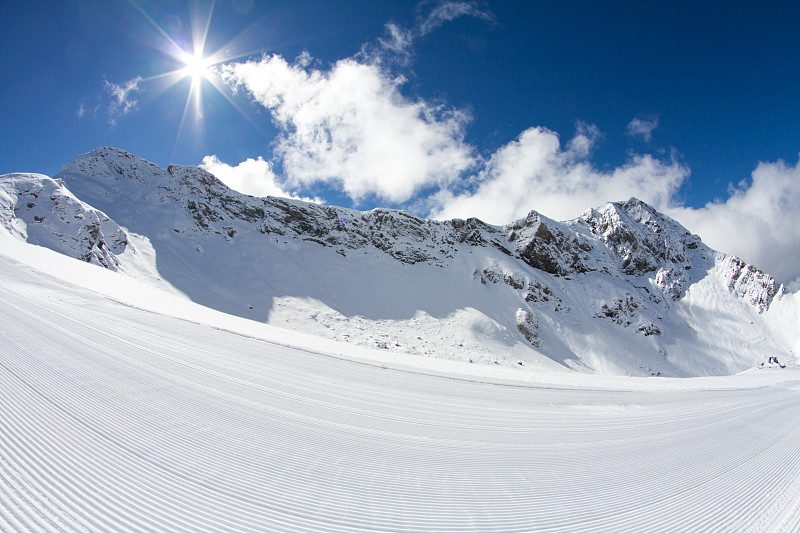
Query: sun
x: 196, y: 67
x: 187, y: 52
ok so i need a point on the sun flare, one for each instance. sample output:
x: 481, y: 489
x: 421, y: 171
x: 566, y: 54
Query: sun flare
x: 194, y: 62
x: 196, y: 67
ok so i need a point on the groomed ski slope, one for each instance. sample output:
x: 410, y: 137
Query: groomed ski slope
x: 114, y: 417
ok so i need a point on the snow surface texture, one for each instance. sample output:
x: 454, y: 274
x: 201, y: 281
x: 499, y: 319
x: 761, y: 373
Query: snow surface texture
x: 621, y: 290
x: 125, y: 408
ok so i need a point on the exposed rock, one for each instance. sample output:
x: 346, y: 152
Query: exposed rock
x: 620, y: 271
x: 42, y: 211
x: 748, y: 282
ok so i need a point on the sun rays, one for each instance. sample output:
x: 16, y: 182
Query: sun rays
x: 195, y: 67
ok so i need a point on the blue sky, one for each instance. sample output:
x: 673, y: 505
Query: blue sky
x: 443, y: 108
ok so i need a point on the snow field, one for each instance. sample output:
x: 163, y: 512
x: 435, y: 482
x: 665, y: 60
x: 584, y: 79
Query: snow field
x: 115, y: 418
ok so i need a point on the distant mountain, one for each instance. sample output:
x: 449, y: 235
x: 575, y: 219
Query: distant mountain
x: 622, y: 289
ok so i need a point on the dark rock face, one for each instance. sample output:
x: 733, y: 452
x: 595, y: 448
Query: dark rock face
x: 549, y: 246
x: 642, y: 239
x: 749, y: 283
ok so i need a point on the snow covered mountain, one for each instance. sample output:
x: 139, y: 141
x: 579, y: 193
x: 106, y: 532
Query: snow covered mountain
x: 622, y: 289
x: 42, y: 211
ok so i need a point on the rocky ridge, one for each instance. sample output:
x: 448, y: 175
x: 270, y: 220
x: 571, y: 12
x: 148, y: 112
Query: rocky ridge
x: 622, y: 264
x: 618, y: 239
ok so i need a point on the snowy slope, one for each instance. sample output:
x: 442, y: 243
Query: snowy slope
x: 620, y: 290
x: 118, y: 417
x: 42, y: 211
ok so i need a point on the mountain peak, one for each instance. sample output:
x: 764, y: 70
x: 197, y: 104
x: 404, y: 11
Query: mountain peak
x: 621, y: 289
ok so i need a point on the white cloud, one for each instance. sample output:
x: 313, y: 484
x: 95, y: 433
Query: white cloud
x: 81, y: 111
x: 533, y: 172
x: 759, y: 223
x: 642, y: 127
x: 587, y: 135
x: 252, y: 176
x: 447, y: 11
x: 393, y: 48
x: 351, y: 126
x: 121, y: 102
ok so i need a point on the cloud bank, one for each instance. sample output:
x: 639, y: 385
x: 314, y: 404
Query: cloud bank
x: 759, y: 222
x: 535, y: 172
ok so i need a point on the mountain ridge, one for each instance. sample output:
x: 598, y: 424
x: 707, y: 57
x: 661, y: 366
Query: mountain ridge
x: 608, y: 292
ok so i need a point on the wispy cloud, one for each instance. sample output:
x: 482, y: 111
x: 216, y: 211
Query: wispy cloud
x: 393, y: 48
x: 396, y: 39
x: 81, y: 111
x: 447, y: 11
x: 121, y: 101
x: 580, y: 146
x: 642, y: 127
x: 396, y: 44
